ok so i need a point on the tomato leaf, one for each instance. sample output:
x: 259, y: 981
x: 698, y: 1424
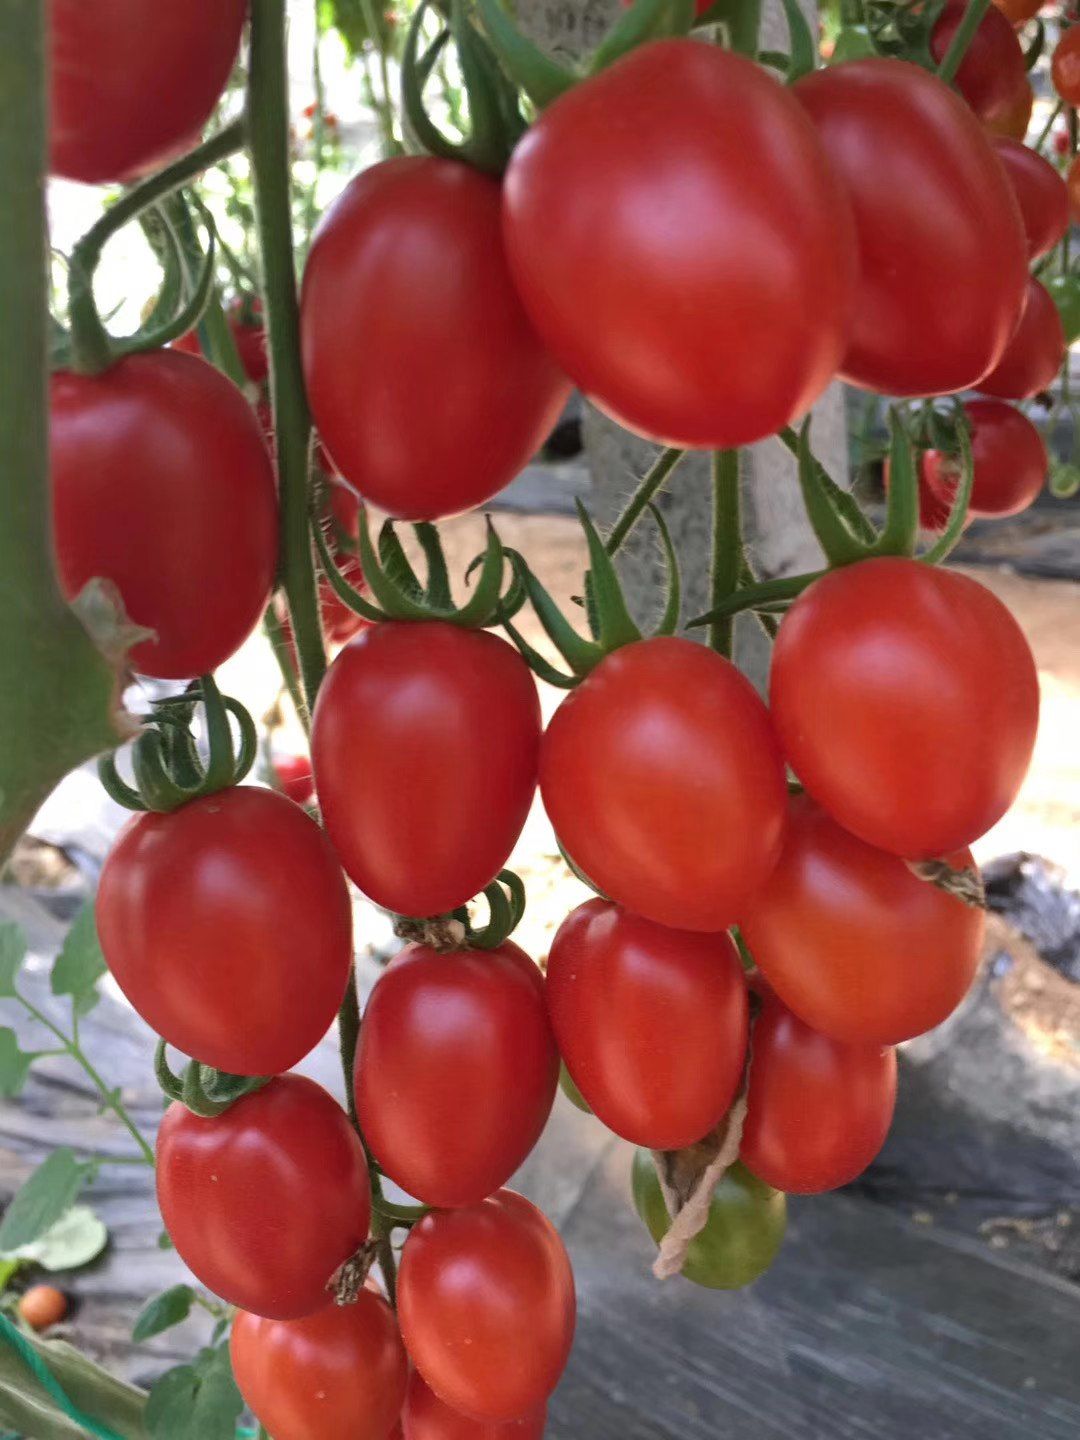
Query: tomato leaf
x: 12, y: 954
x: 164, y: 1311
x: 78, y: 1237
x: 27, y: 1405
x: 196, y: 1402
x: 80, y: 964
x: 50, y: 1191
x: 14, y: 1064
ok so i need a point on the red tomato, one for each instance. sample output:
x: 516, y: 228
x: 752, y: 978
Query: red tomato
x: 486, y: 1305
x: 244, y: 317
x: 1010, y: 462
x: 410, y: 258
x: 1065, y: 66
x: 161, y: 483
x: 682, y: 246
x: 906, y: 701
x: 993, y: 67
x: 651, y: 1023
x: 854, y: 942
x: 934, y: 508
x: 427, y: 1418
x: 1035, y: 353
x: 339, y: 1374
x: 1040, y: 193
x: 1019, y: 12
x: 266, y: 1201
x: 1061, y: 142
x: 217, y: 954
x: 818, y: 1109
x: 664, y: 743
x: 425, y: 742
x: 938, y: 226
x: 129, y: 85
x: 456, y: 1070
x: 1013, y: 119
x: 293, y: 774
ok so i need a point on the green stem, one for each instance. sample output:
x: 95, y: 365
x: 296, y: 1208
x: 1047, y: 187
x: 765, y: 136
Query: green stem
x: 965, y: 33
x: 651, y: 483
x: 268, y: 125
x: 744, y: 28
x: 384, y: 101
x: 727, y: 550
x: 388, y: 1266
x: 214, y: 334
x: 1044, y: 133
x: 348, y: 1032
x: 286, y: 663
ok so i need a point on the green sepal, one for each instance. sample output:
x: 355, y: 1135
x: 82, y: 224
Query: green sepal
x: 644, y: 20
x: 765, y: 594
x: 901, y: 529
x: 803, y: 46
x: 1033, y: 52
x: 615, y: 626
x: 488, y: 145
x: 822, y: 509
x: 185, y: 319
x: 505, y: 897
x: 415, y: 71
x: 536, y: 74
x: 669, y: 620
x: 954, y: 527
x: 204, y: 1091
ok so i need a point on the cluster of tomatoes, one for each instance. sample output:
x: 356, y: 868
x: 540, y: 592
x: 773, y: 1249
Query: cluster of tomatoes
x: 701, y: 250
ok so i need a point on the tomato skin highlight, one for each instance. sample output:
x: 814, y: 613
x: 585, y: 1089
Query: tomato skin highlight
x: 486, y: 1306
x: 427, y: 1418
x: 1010, y: 461
x: 456, y: 1070
x: 162, y: 484
x: 906, y: 700
x: 661, y: 213
x: 818, y: 1110
x: 1040, y: 192
x: 742, y: 1236
x: 855, y: 944
x: 340, y: 1374
x: 406, y: 293
x: 651, y: 1022
x: 227, y: 925
x: 665, y: 742
x: 939, y: 229
x: 1035, y: 353
x: 993, y: 68
x: 264, y: 1202
x: 424, y: 742
x: 128, y: 87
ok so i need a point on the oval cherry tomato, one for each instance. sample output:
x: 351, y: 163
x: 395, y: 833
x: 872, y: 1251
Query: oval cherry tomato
x: 906, y: 700
x: 425, y: 741
x: 1065, y: 66
x: 856, y: 944
x: 818, y: 1110
x: 43, y: 1306
x: 162, y: 484
x: 1040, y: 193
x: 651, y: 1023
x: 742, y: 1236
x: 244, y: 317
x: 1035, y: 353
x: 266, y: 1201
x: 128, y: 86
x: 410, y: 257
x: 1064, y: 290
x: 938, y: 225
x: 339, y: 1374
x: 293, y: 775
x: 1010, y: 462
x: 486, y: 1305
x: 993, y: 67
x: 660, y: 213
x: 455, y: 1070
x: 427, y: 1418
x: 1011, y: 121
x: 665, y: 742
x: 216, y: 954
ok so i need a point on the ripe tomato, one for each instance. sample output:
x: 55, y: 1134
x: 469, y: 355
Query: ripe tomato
x: 1065, y: 66
x: 264, y: 1202
x: 818, y: 1109
x: 938, y: 225
x: 906, y: 701
x: 1013, y: 119
x: 1010, y: 462
x: 852, y: 941
x: 662, y: 213
x: 425, y: 742
x: 993, y: 67
x: 214, y: 951
x: 339, y: 1374
x: 427, y: 1418
x: 1040, y: 193
x: 651, y: 1023
x: 486, y: 1305
x: 1019, y: 12
x: 161, y: 483
x: 129, y: 86
x: 410, y: 258
x: 664, y: 743
x: 1035, y: 353
x: 293, y: 774
x: 43, y: 1306
x: 742, y: 1236
x: 456, y: 1070
x: 244, y: 317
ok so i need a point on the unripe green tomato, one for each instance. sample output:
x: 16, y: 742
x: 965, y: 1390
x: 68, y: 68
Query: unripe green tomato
x: 571, y: 1091
x: 1065, y: 293
x: 741, y: 1238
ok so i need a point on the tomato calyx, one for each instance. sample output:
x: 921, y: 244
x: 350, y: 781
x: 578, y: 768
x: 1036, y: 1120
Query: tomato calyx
x: 204, y: 1091
x: 168, y: 769
x: 964, y: 884
x: 505, y: 898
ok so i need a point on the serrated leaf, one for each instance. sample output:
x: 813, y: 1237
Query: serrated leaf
x: 12, y: 954
x: 80, y: 964
x: 78, y: 1237
x: 196, y: 1402
x: 164, y: 1311
x: 14, y: 1064
x: 50, y: 1191
x: 30, y: 1409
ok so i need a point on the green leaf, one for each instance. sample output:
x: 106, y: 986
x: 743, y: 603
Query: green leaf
x: 12, y: 954
x: 28, y: 1407
x: 50, y: 1191
x: 80, y: 964
x: 196, y: 1402
x: 14, y: 1064
x: 78, y: 1237
x: 163, y: 1312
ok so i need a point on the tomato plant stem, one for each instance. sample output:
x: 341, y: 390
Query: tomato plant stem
x: 384, y: 101
x: 727, y: 550
x: 651, y: 483
x: 348, y: 1030
x: 965, y: 33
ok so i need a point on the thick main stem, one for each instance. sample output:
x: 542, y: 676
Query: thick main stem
x: 727, y: 550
